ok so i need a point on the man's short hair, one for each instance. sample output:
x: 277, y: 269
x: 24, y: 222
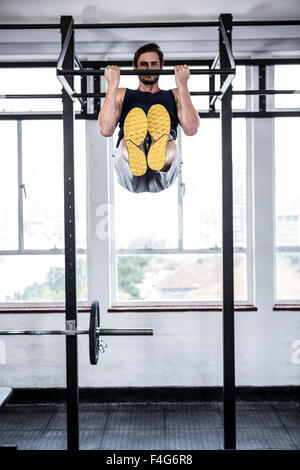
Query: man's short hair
x: 150, y: 47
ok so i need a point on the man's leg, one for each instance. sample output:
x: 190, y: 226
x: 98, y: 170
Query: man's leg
x: 133, y: 183
x: 164, y: 178
x: 124, y: 150
x: 171, y: 152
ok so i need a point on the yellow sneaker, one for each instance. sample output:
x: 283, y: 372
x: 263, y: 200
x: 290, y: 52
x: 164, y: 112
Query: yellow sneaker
x: 135, y: 131
x: 159, y: 125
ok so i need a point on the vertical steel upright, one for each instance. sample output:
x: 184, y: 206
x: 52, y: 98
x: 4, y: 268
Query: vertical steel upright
x: 70, y: 247
x: 227, y: 251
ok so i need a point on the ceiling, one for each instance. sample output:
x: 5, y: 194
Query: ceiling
x: 106, y: 44
x: 84, y: 11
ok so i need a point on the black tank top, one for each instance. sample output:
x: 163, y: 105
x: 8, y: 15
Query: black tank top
x: 144, y: 100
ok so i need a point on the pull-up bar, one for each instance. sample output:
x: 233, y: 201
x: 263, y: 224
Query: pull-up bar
x: 195, y: 24
x: 65, y: 73
x: 96, y: 73
x: 62, y: 72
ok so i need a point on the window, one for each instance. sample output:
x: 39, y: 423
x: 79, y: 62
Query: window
x: 166, y: 246
x: 32, y: 81
x: 32, y: 201
x: 287, y: 209
x: 287, y: 77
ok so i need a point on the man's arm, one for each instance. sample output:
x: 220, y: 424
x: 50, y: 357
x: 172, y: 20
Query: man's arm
x: 187, y: 114
x: 111, y: 110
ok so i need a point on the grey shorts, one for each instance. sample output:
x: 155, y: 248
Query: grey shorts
x: 152, y: 181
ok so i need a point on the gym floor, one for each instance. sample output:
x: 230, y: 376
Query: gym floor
x: 121, y: 426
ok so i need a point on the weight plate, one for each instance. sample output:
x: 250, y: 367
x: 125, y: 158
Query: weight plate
x: 93, y: 336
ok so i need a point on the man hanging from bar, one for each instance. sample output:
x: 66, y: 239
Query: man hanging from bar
x: 146, y: 155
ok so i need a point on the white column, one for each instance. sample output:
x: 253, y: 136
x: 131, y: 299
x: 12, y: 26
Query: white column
x: 97, y: 215
x: 263, y: 177
x: 263, y: 197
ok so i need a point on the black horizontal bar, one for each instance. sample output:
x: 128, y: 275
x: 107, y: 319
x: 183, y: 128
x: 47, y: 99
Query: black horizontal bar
x: 128, y: 63
x: 192, y: 93
x: 27, y: 64
x: 170, y: 24
x: 153, y: 25
x: 102, y: 95
x: 198, y: 24
x: 205, y: 115
x: 265, y: 92
x: 15, y: 97
x: 267, y: 23
x: 193, y: 62
x: 253, y: 114
x: 145, y: 72
x: 30, y: 26
x: 30, y: 116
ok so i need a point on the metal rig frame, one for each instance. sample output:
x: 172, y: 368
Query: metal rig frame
x: 223, y: 65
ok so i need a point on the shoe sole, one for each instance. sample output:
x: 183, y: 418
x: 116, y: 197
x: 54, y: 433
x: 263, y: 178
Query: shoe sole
x: 135, y: 131
x: 159, y: 125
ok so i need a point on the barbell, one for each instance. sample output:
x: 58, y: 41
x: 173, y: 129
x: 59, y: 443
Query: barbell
x: 93, y: 332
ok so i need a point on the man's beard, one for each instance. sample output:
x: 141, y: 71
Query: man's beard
x: 148, y: 80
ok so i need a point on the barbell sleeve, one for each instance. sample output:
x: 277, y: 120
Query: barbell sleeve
x: 124, y: 332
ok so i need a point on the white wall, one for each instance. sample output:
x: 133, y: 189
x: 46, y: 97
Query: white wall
x: 186, y: 350
x: 30, y: 11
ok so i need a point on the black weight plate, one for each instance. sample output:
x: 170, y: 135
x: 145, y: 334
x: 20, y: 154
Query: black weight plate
x: 93, y: 336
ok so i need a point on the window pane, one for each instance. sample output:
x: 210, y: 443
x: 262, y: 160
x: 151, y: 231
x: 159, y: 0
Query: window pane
x: 177, y: 277
x: 33, y: 81
x: 287, y: 77
x: 202, y: 174
x: 128, y: 81
x: 199, y: 83
x: 140, y: 218
x: 43, y: 179
x: 41, y: 278
x: 287, y: 170
x: 9, y: 186
x: 146, y: 220
x: 239, y: 168
x: 288, y: 276
x: 195, y: 83
x: 287, y: 207
x: 80, y: 183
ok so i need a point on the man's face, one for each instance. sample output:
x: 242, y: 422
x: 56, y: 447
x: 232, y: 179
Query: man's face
x: 147, y: 61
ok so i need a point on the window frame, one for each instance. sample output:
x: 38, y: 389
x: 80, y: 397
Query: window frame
x: 248, y: 251
x: 110, y: 266
x: 279, y: 249
x: 21, y: 251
